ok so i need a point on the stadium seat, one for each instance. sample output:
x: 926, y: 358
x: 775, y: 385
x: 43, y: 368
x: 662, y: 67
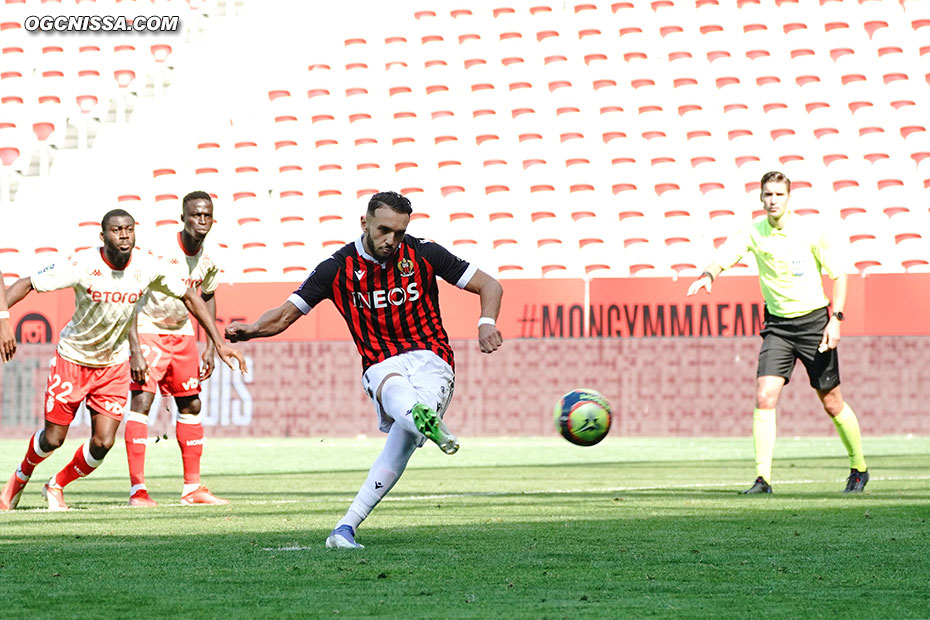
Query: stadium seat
x: 598, y: 259
x: 641, y: 259
x: 913, y: 254
x: 511, y: 259
x: 904, y: 225
x: 558, y: 259
x: 685, y: 259
x: 866, y: 225
x: 870, y: 255
x: 467, y: 231
x: 9, y: 154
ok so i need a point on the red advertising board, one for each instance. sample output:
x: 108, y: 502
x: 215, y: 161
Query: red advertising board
x: 877, y: 305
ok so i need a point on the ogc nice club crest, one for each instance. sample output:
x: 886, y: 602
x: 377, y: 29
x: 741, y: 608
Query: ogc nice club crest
x: 405, y: 265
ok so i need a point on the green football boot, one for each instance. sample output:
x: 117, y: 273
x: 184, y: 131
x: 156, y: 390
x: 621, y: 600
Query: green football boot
x: 430, y: 424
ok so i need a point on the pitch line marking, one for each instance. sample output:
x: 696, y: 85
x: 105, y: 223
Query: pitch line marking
x: 415, y: 498
x: 627, y: 489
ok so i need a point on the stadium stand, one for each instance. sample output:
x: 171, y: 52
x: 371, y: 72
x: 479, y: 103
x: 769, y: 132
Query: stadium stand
x: 575, y: 139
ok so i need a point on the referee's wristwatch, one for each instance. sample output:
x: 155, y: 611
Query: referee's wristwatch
x: 839, y: 315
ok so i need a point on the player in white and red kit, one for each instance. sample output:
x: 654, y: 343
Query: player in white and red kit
x: 92, y: 360
x: 164, y: 355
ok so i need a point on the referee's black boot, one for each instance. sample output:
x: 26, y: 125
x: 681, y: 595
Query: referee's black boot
x: 856, y: 481
x: 759, y: 486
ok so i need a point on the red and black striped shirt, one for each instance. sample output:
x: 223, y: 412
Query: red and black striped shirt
x: 392, y: 307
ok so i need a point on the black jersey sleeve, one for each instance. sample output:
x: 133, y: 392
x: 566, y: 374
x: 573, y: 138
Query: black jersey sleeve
x: 447, y: 265
x: 319, y: 284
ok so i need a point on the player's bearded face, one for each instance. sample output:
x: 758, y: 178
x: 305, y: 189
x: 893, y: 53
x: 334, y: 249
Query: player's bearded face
x: 119, y: 236
x: 383, y: 232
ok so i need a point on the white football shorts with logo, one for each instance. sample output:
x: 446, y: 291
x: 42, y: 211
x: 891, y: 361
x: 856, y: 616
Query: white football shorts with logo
x: 431, y: 377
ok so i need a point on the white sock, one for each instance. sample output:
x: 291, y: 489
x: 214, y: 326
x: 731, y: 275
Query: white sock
x: 188, y: 418
x: 189, y: 488
x: 382, y: 476
x: 136, y: 488
x: 95, y: 463
x: 398, y: 397
x: 135, y: 416
x: 37, y: 448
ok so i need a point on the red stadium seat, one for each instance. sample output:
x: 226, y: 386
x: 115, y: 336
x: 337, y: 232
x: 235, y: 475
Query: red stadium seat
x: 870, y: 255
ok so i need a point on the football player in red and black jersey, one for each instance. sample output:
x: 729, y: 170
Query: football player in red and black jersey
x: 384, y: 285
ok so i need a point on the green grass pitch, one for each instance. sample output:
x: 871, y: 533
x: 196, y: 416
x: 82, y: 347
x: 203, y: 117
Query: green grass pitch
x: 506, y: 528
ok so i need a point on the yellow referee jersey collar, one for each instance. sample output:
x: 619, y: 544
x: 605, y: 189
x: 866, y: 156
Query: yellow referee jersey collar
x: 787, y: 220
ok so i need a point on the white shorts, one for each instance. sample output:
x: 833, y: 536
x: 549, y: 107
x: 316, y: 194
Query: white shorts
x: 430, y: 376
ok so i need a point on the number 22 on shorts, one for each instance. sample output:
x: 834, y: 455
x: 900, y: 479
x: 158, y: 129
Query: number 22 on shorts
x: 66, y: 389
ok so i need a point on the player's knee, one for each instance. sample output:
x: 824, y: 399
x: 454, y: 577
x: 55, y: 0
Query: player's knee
x: 833, y: 405
x: 51, y: 441
x: 101, y: 445
x: 766, y: 399
x: 189, y: 406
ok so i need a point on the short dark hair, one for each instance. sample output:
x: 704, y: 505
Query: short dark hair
x: 195, y: 195
x: 111, y: 214
x: 775, y: 177
x: 392, y: 200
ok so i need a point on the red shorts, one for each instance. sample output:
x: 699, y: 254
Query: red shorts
x: 105, y: 388
x: 174, y: 364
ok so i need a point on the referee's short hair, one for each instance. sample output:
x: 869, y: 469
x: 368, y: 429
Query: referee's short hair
x: 775, y: 177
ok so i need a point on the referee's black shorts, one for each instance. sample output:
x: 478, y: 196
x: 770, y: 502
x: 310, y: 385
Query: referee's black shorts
x: 785, y: 340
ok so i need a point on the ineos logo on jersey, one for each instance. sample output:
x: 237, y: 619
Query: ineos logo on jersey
x: 380, y: 299
x: 113, y: 296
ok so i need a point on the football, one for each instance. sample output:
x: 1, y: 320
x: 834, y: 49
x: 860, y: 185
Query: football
x: 583, y: 417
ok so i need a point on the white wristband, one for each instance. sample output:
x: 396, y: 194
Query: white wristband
x: 486, y: 320
x: 4, y: 314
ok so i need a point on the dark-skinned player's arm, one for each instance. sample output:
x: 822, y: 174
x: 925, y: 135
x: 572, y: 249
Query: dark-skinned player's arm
x: 206, y: 369
x: 491, y: 292
x: 52, y: 278
x: 18, y: 291
x: 138, y: 367
x: 270, y: 323
x: 196, y: 306
x: 7, y: 337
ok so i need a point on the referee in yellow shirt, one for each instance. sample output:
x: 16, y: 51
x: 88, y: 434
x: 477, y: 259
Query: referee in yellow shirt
x: 792, y: 253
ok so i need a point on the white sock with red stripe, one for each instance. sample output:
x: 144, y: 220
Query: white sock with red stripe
x: 382, y: 476
x: 398, y: 397
x: 135, y: 434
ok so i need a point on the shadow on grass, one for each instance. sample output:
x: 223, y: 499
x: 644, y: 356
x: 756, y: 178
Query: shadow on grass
x: 715, y: 565
x: 833, y: 464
